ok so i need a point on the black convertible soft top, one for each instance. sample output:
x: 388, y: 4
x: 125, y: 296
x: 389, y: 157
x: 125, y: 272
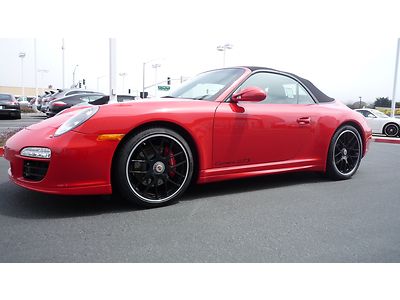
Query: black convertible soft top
x: 318, y: 94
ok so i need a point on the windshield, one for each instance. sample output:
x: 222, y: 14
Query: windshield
x: 380, y: 114
x: 208, y: 85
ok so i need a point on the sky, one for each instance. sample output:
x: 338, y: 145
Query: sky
x: 346, y: 48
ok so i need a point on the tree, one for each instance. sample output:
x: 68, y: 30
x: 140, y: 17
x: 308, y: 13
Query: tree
x: 357, y: 104
x: 383, y: 102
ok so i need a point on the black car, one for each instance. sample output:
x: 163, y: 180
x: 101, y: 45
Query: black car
x: 106, y: 99
x: 55, y: 106
x: 9, y: 106
x: 58, y: 105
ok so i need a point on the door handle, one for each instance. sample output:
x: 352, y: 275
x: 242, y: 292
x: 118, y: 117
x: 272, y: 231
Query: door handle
x: 304, y: 120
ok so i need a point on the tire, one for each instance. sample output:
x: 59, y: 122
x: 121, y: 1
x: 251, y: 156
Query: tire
x: 391, y: 130
x: 345, y: 153
x: 153, y: 168
x: 18, y: 116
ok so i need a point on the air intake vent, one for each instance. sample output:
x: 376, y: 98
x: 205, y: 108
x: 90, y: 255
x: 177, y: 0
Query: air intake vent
x: 35, y: 170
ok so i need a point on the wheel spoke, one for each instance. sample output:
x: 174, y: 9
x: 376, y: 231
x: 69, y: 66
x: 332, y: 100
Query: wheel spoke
x: 179, y: 164
x: 153, y: 148
x: 138, y: 172
x: 173, y: 182
x: 179, y: 174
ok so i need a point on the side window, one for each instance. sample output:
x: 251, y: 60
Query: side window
x: 85, y: 98
x: 72, y: 93
x: 363, y: 112
x: 280, y: 89
x: 95, y: 97
x: 366, y: 114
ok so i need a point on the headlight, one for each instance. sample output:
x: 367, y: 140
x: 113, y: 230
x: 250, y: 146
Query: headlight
x: 37, y: 152
x: 78, y: 119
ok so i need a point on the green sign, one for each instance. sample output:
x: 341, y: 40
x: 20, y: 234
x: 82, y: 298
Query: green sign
x: 164, y: 87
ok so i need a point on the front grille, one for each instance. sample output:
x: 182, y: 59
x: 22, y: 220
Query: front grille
x: 35, y: 170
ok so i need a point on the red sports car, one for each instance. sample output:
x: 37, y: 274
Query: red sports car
x: 223, y: 124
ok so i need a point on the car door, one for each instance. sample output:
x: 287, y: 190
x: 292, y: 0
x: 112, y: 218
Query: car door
x: 373, y: 121
x: 279, y: 128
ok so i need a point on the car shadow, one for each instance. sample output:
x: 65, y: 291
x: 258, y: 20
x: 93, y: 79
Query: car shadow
x: 251, y: 184
x: 25, y: 204
x: 22, y: 203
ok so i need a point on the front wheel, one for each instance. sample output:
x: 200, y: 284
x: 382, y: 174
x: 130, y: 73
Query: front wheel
x: 345, y: 153
x: 153, y: 168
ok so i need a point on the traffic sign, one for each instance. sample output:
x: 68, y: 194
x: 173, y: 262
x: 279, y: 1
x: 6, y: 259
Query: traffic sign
x: 164, y: 87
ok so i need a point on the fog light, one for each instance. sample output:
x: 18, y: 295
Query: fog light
x: 36, y: 152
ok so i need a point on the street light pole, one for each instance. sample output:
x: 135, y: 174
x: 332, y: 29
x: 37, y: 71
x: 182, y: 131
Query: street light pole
x: 223, y: 48
x: 144, y: 72
x: 22, y: 55
x: 42, y: 71
x: 396, y: 67
x: 123, y: 80
x: 35, y: 67
x: 98, y: 84
x: 155, y: 66
x: 63, y: 64
x: 73, y: 76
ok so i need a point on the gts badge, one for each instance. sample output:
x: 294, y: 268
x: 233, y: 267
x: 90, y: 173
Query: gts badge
x: 233, y: 162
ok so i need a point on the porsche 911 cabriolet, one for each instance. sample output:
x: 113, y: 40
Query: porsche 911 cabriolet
x: 222, y: 124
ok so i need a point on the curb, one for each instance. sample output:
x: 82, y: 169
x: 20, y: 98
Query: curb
x: 386, y: 140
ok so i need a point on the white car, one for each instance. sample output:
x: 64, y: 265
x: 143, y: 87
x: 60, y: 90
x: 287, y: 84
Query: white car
x: 381, y: 123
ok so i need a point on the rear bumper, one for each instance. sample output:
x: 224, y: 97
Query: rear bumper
x: 10, y: 111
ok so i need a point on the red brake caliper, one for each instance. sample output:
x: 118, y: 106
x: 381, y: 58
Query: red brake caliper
x: 171, y: 160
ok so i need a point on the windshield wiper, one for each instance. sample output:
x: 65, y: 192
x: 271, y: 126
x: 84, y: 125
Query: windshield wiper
x: 168, y: 97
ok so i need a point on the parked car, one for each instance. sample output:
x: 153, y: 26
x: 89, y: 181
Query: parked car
x: 60, y: 104
x: 64, y: 93
x: 49, y: 95
x: 24, y: 103
x: 381, y: 123
x: 106, y: 99
x: 222, y: 124
x: 9, y: 106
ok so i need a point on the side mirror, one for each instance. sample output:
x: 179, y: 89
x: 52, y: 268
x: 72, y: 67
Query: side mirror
x: 251, y: 94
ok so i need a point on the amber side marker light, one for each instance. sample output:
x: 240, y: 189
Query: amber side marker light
x: 110, y: 137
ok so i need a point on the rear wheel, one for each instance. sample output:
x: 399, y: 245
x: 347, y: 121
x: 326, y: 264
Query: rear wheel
x: 153, y: 168
x: 345, y: 153
x: 391, y: 130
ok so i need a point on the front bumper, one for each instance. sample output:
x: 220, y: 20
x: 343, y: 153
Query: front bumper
x: 79, y: 163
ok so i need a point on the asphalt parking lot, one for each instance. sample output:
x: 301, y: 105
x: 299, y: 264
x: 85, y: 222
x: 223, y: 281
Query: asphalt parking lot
x: 298, y: 217
x: 26, y: 120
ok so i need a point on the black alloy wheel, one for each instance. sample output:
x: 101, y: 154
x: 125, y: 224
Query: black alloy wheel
x: 345, y: 153
x: 156, y: 167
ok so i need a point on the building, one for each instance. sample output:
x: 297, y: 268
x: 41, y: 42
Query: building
x: 17, y: 91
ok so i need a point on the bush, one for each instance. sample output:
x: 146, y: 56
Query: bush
x: 27, y: 110
x: 5, y: 135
